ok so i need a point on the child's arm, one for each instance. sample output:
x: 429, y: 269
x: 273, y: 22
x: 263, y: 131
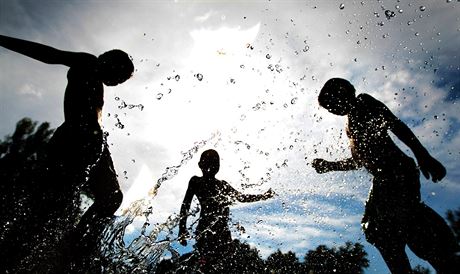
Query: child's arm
x: 428, y: 164
x: 183, y: 234
x: 323, y: 166
x: 248, y: 198
x: 40, y: 52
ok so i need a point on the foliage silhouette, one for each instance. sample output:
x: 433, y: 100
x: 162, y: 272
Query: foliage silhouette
x: 279, y: 262
x: 22, y: 156
x: 347, y: 259
x: 350, y: 258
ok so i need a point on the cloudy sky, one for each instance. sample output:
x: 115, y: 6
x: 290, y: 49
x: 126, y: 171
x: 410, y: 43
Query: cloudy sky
x: 242, y: 77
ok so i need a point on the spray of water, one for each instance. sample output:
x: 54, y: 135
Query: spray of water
x: 141, y: 254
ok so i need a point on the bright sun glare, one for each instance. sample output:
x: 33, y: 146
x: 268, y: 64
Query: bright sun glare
x: 216, y: 54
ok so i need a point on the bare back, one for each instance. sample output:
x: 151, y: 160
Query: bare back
x: 214, y: 197
x: 83, y: 99
x: 371, y: 144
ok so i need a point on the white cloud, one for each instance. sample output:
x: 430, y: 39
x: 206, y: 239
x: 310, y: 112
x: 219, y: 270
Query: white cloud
x: 204, y: 17
x: 30, y: 91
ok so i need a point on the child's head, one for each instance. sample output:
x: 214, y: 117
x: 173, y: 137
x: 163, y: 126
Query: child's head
x: 337, y: 96
x: 115, y: 67
x: 209, y: 162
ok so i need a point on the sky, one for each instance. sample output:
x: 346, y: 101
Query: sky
x: 242, y: 77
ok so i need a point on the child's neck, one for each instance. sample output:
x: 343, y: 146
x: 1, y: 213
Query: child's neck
x: 208, y: 176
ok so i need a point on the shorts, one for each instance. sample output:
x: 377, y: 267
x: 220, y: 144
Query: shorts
x: 393, y: 204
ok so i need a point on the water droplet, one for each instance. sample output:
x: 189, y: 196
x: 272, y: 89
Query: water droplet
x: 199, y: 76
x: 306, y: 48
x: 123, y: 105
x: 119, y: 125
x: 117, y: 98
x: 389, y: 14
x: 422, y: 8
x: 232, y: 81
x: 159, y: 96
x: 342, y: 6
x: 294, y: 100
x: 268, y: 56
x: 417, y: 34
x: 177, y: 77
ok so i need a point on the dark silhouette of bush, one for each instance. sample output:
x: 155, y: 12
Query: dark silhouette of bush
x: 22, y: 156
x: 279, y: 262
x: 349, y: 258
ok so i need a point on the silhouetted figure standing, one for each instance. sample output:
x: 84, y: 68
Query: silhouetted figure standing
x: 213, y: 237
x: 78, y: 155
x: 394, y: 214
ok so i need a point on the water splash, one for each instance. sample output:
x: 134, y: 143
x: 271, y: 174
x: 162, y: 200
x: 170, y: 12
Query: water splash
x: 141, y: 254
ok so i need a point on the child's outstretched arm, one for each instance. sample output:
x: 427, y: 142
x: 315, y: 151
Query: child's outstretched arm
x: 323, y: 166
x: 40, y: 52
x: 183, y: 233
x: 429, y: 166
x: 248, y: 198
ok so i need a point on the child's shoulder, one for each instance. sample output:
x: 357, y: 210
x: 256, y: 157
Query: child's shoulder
x: 369, y: 102
x: 366, y: 98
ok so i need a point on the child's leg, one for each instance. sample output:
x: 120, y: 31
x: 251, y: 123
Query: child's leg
x: 103, y: 184
x: 431, y: 239
x: 394, y: 254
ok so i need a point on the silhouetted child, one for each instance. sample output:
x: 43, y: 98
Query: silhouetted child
x: 78, y: 154
x: 394, y: 214
x: 213, y: 237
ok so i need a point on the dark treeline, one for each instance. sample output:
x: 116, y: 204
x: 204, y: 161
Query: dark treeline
x: 347, y: 259
x: 21, y: 164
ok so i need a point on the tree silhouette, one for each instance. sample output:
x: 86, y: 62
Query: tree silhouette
x: 279, y: 262
x: 246, y: 259
x: 349, y: 258
x: 22, y: 156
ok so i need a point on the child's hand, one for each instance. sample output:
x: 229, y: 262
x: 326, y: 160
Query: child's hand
x: 429, y: 166
x: 320, y: 165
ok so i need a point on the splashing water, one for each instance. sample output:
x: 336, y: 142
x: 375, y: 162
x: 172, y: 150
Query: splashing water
x: 141, y: 254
